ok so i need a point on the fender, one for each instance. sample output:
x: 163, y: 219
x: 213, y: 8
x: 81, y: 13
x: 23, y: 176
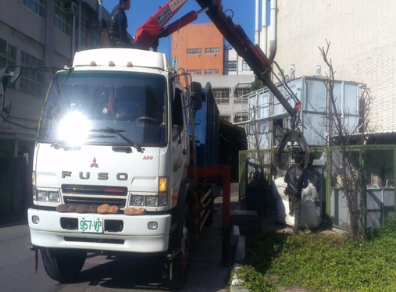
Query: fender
x: 185, y: 188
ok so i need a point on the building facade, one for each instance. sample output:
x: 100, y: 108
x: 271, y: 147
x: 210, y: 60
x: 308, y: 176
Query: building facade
x: 362, y: 47
x: 41, y: 35
x: 200, y: 50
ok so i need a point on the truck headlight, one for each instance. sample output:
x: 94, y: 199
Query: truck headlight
x: 42, y: 196
x: 48, y: 196
x: 152, y: 201
x: 53, y: 197
x: 137, y: 201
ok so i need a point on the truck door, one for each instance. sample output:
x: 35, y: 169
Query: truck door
x: 179, y: 138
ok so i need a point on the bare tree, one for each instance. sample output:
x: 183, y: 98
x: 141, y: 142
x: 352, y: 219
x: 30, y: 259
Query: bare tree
x: 259, y: 160
x: 347, y: 169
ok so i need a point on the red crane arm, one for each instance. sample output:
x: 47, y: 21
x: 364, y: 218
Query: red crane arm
x: 146, y: 35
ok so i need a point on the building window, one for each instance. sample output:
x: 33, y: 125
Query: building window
x: 245, y: 66
x: 8, y: 58
x: 62, y: 19
x: 212, y: 72
x: 84, y: 33
x: 231, y: 66
x: 222, y: 95
x: 240, y: 95
x: 241, y: 117
x: 38, y: 6
x: 96, y: 40
x: 212, y: 50
x: 193, y: 51
x: 195, y: 72
x: 32, y: 81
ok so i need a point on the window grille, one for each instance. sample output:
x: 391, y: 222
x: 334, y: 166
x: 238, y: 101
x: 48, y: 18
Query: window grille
x: 195, y: 72
x: 222, y: 95
x: 212, y: 72
x: 32, y: 81
x: 231, y: 65
x: 62, y: 19
x: 96, y: 40
x: 8, y: 58
x: 193, y: 51
x: 240, y: 95
x: 245, y: 66
x: 38, y: 6
x: 212, y: 50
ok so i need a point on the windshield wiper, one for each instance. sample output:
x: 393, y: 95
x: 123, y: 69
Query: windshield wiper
x: 113, y: 131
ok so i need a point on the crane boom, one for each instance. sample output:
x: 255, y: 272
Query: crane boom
x: 149, y: 33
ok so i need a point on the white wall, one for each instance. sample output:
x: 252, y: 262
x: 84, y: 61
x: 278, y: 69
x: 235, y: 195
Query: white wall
x: 363, y: 42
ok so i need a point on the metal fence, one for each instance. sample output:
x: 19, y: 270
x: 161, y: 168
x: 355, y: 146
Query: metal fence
x: 373, y: 165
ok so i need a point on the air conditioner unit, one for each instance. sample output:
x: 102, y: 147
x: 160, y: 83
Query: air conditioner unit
x: 70, y: 8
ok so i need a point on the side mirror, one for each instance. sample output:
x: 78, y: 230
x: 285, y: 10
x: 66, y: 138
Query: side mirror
x: 196, y: 95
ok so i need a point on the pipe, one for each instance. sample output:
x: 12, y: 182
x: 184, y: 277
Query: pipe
x: 263, y: 36
x: 79, y: 28
x: 100, y: 13
x: 272, y: 43
x: 257, y: 23
x: 73, y: 37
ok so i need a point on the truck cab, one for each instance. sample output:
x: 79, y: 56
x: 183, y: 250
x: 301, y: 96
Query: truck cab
x: 114, y: 130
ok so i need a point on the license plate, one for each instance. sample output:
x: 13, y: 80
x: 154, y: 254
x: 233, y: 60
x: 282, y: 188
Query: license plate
x: 90, y: 224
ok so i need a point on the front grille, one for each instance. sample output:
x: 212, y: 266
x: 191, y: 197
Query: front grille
x: 120, y: 203
x: 94, y: 190
x: 95, y: 195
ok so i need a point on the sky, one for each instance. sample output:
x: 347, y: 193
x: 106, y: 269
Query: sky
x: 142, y: 10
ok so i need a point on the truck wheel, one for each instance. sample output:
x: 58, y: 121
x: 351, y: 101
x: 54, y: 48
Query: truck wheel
x: 63, y: 265
x: 180, y: 239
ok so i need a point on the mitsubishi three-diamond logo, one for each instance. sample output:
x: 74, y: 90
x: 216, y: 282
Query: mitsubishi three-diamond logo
x: 94, y: 164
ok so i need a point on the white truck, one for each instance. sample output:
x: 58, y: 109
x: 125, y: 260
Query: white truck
x: 111, y: 169
x: 114, y: 132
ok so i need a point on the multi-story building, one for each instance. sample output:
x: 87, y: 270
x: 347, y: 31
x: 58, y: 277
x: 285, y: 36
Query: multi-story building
x: 40, y: 34
x: 200, y: 50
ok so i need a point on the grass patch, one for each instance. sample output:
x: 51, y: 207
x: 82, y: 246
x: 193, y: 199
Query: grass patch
x: 321, y: 262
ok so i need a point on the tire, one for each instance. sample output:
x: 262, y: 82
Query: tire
x: 181, y: 240
x: 209, y: 220
x: 63, y: 266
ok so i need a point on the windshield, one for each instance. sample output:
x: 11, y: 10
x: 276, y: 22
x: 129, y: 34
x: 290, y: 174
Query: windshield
x: 99, y: 106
